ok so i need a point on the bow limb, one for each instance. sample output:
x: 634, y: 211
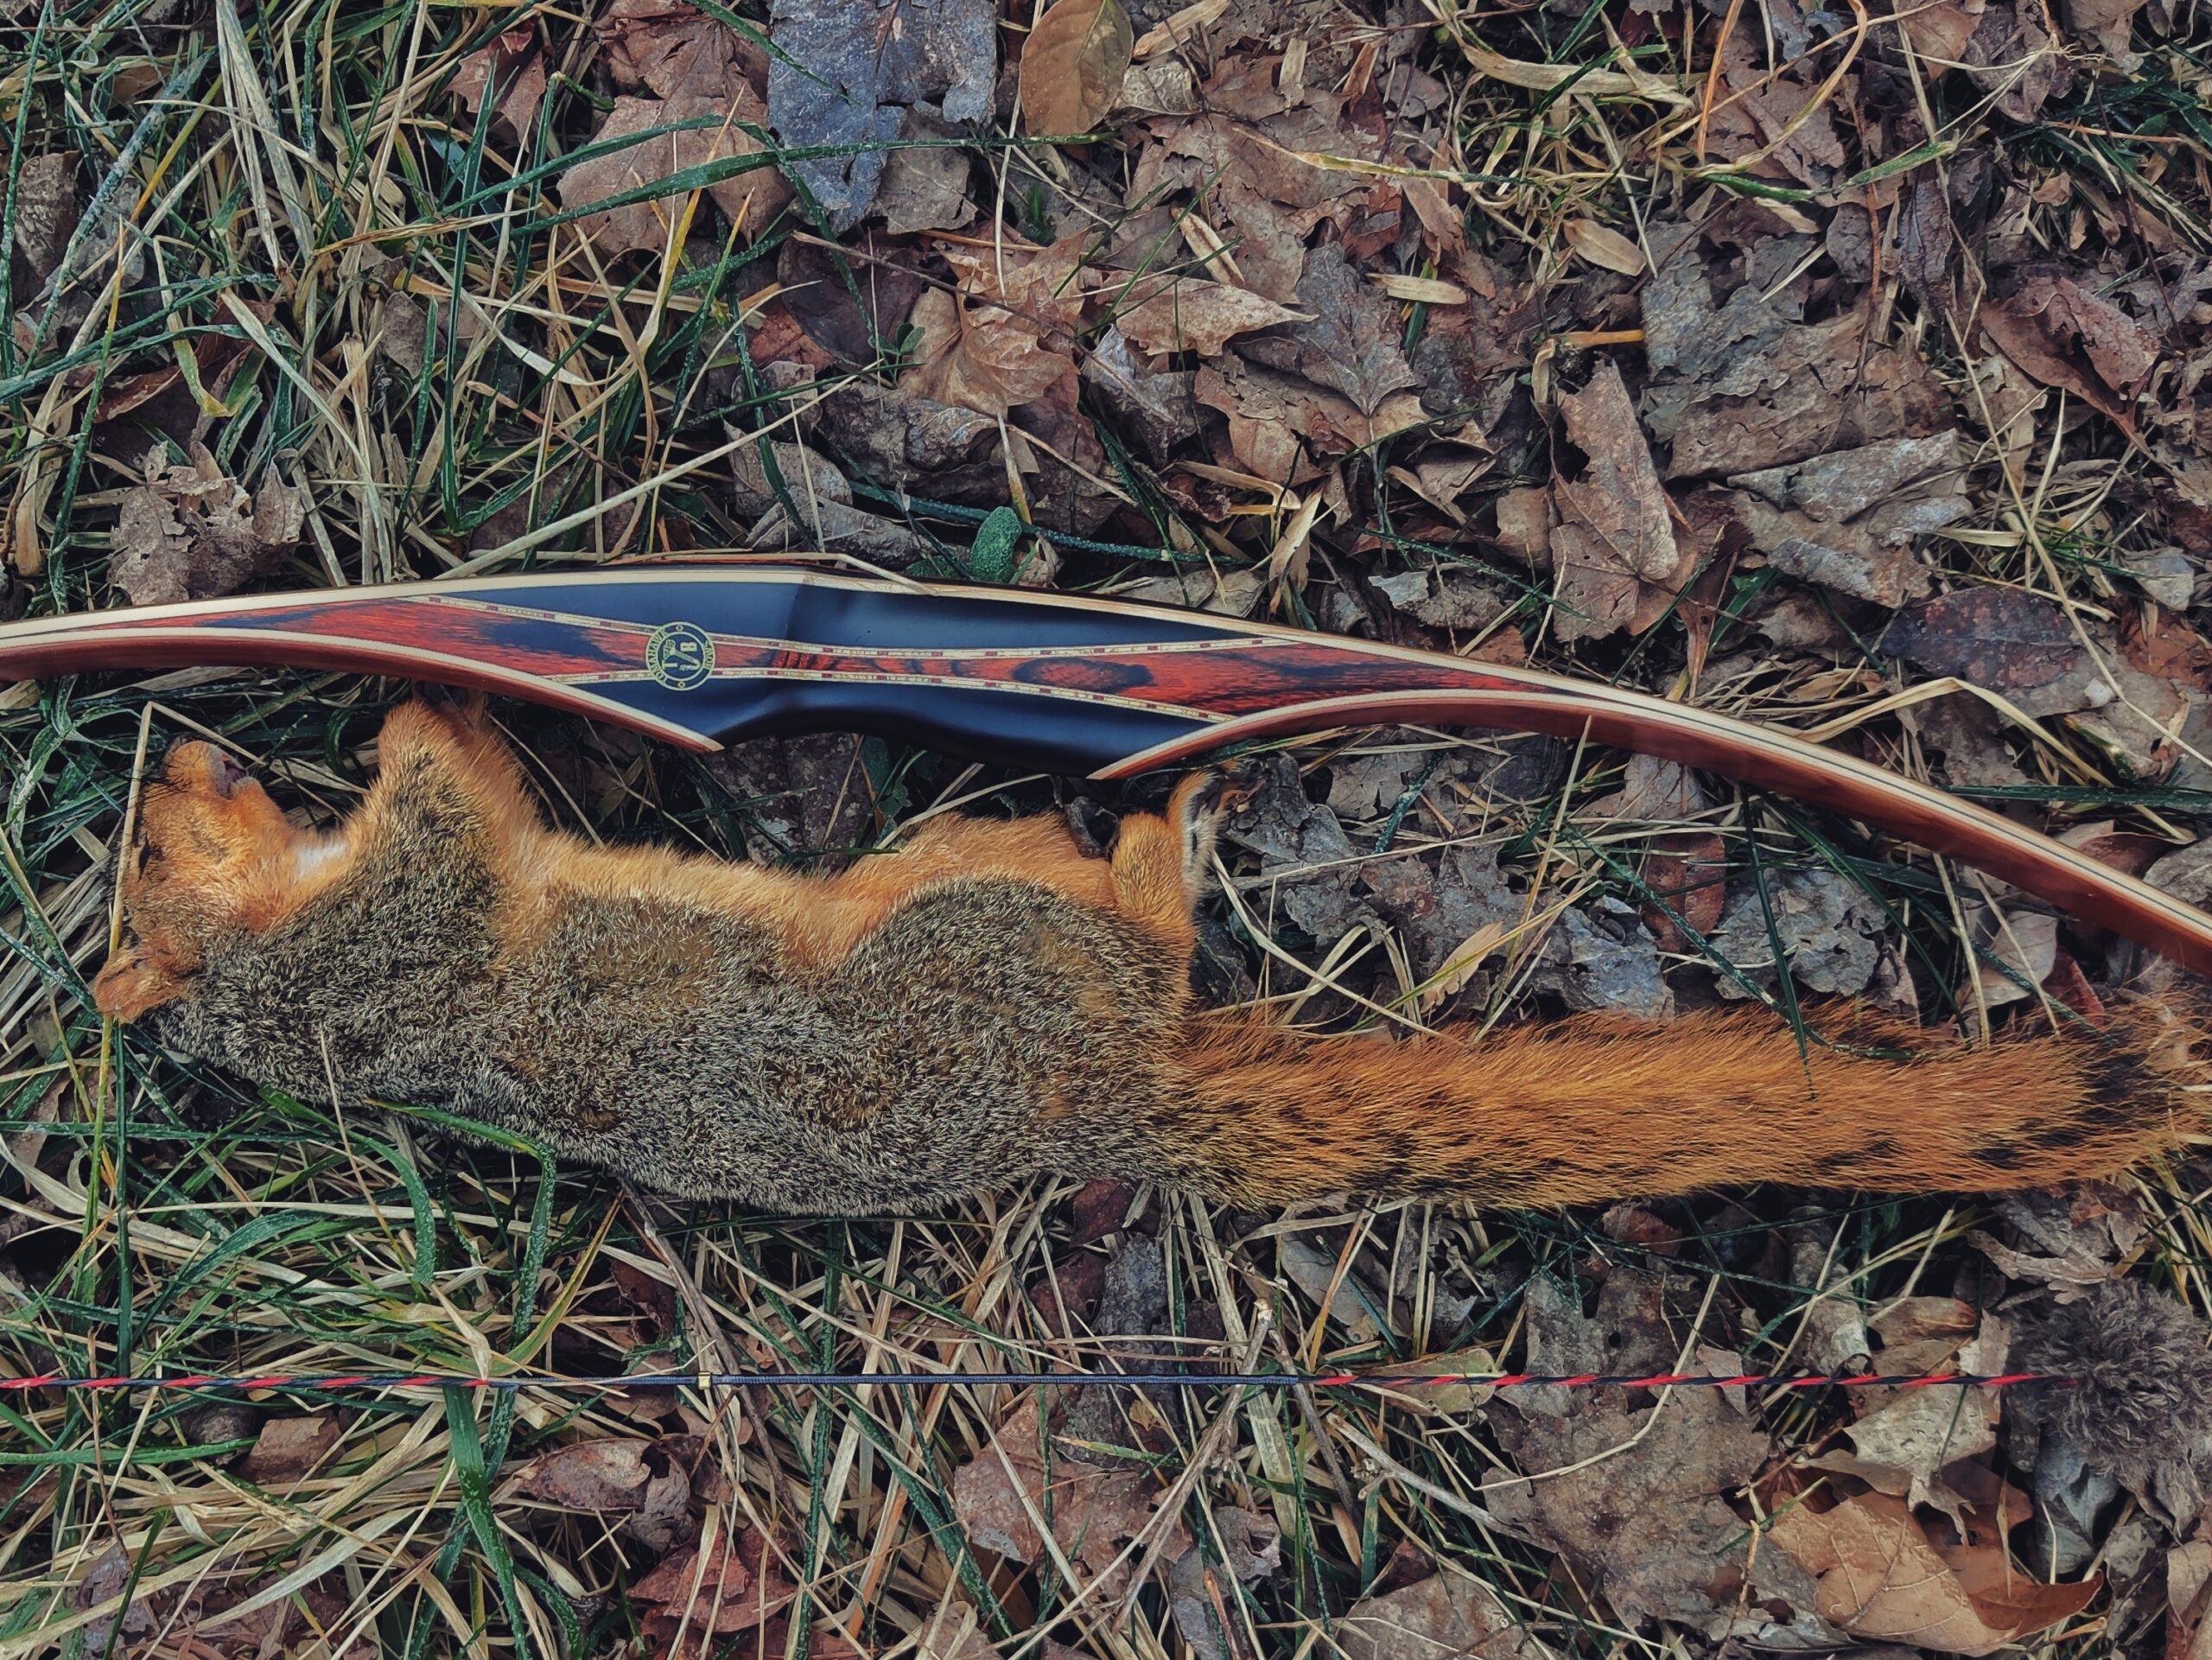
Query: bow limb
x: 1899, y: 807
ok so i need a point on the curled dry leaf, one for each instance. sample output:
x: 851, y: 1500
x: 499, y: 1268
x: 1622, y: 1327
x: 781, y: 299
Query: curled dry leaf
x: 2064, y: 335
x: 1006, y: 339
x: 646, y: 1481
x: 190, y: 533
x: 737, y: 1586
x: 1072, y: 66
x: 510, y: 72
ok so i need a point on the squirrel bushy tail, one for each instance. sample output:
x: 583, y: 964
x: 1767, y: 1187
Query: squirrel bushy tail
x: 1588, y: 1110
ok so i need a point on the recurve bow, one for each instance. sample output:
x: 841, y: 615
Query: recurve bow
x: 705, y: 652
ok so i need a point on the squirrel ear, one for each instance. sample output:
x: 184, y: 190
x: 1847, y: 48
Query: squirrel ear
x: 129, y: 984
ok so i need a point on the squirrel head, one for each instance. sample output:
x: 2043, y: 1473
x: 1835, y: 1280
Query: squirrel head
x: 214, y: 855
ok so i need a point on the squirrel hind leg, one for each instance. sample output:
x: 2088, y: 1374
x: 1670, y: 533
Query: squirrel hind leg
x: 1163, y: 865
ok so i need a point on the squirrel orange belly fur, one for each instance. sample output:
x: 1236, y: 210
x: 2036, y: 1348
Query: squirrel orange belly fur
x: 986, y: 1004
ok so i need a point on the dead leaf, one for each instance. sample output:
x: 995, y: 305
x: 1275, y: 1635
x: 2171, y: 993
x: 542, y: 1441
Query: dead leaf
x: 1449, y: 596
x: 1615, y: 561
x: 2069, y: 1241
x: 1847, y: 520
x: 1184, y: 316
x: 1601, y: 958
x: 190, y: 533
x: 1689, y: 870
x: 1006, y: 339
x: 2063, y: 335
x: 1157, y: 406
x: 1829, y: 929
x: 1269, y: 413
x: 1902, y: 1440
x: 1180, y: 28
x: 1096, y: 1510
x: 846, y: 73
x: 1072, y: 66
x: 952, y: 1634
x: 1451, y: 1615
x: 2022, y: 947
x: 1438, y: 910
x: 2110, y: 24
x: 101, y: 1580
x: 510, y: 72
x: 1350, y: 343
x: 1740, y: 385
x: 215, y: 359
x: 1880, y: 1579
x: 1256, y: 181
x: 47, y: 215
x: 1772, y: 124
x: 2011, y: 56
x: 598, y: 1475
x: 1939, y: 32
x: 289, y: 1448
x: 980, y: 359
x: 1652, y: 790
x: 734, y: 1589
x: 924, y: 186
x: 1250, y: 1548
x: 2002, y: 639
x: 1351, y: 1303
x: 643, y: 1479
x: 671, y: 48
x: 1647, y: 1521
x: 751, y: 198
x: 1603, y: 246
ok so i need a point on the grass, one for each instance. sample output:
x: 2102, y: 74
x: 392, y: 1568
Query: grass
x: 293, y: 186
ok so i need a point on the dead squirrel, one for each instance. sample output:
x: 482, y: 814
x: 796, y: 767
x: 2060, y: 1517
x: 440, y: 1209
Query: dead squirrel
x: 983, y: 1005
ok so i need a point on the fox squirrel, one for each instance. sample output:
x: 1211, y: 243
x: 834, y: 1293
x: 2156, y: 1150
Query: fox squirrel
x: 986, y: 1004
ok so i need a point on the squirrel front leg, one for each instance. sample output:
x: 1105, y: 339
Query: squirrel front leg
x: 1155, y: 874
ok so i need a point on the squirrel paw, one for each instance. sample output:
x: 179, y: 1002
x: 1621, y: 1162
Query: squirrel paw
x: 1093, y: 826
x: 463, y: 706
x: 1198, y: 808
